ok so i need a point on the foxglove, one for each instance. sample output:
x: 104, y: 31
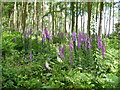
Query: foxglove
x: 61, y: 52
x: 30, y: 55
x: 43, y: 39
x: 74, y: 36
x: 47, y: 65
x: 71, y: 46
x: 78, y: 44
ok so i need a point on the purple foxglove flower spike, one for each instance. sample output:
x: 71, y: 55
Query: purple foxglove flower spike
x: 61, y: 52
x: 71, y: 46
x: 50, y: 37
x: 70, y: 57
x: 89, y: 45
x: 74, y: 36
x: 43, y: 39
x: 99, y: 43
x: 30, y: 55
x: 47, y: 35
x: 47, y: 65
x: 23, y: 42
x: 61, y: 55
x: 30, y: 32
x: 103, y: 51
x: 25, y: 35
x: 78, y: 44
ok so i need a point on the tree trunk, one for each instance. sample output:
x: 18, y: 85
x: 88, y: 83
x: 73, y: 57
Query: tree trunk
x: 73, y: 16
x: 109, y: 21
x: 76, y: 17
x: 24, y: 16
x: 100, y: 23
x: 53, y: 20
x: 81, y: 15
x: 89, y: 17
x: 65, y: 15
x: 14, y: 16
x: 34, y: 16
x: 42, y: 15
x: 105, y: 18
x: 37, y: 11
x: 17, y: 16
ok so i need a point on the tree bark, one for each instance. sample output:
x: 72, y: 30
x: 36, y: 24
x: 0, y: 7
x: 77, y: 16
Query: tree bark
x: 73, y: 16
x: 24, y: 16
x: 100, y: 23
x: 14, y: 15
x: 53, y: 20
x: 76, y: 17
x: 89, y: 6
x: 65, y: 15
x: 109, y: 21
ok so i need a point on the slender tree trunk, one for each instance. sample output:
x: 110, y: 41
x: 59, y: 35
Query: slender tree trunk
x: 65, y: 15
x: 73, y: 16
x: 109, y: 21
x: 96, y: 15
x: 100, y: 23
x: 113, y: 16
x: 34, y: 16
x: 24, y: 16
x: 37, y: 11
x: 83, y: 18
x: 53, y: 20
x: 89, y: 17
x: 14, y: 16
x: 42, y: 15
x: 17, y: 16
x: 97, y: 11
x: 83, y: 23
x: 105, y: 20
x: 56, y: 19
x: 81, y: 15
x: 76, y: 17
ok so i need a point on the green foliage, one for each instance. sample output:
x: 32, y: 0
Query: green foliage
x: 88, y: 70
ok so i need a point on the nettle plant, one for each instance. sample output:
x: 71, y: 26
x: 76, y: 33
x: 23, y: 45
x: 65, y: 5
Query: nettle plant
x: 75, y: 49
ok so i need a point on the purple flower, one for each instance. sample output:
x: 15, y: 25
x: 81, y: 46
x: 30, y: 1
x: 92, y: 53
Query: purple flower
x: 47, y: 65
x: 61, y: 55
x: 61, y: 52
x: 60, y: 35
x: 82, y: 37
x: 99, y: 43
x: 89, y: 45
x: 74, y: 36
x: 67, y: 35
x: 25, y: 35
x: 30, y: 55
x: 71, y: 46
x: 48, y: 36
x: 46, y: 33
x: 43, y: 38
x: 30, y: 32
x: 23, y: 42
x: 103, y: 51
x: 78, y: 44
x: 70, y: 57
